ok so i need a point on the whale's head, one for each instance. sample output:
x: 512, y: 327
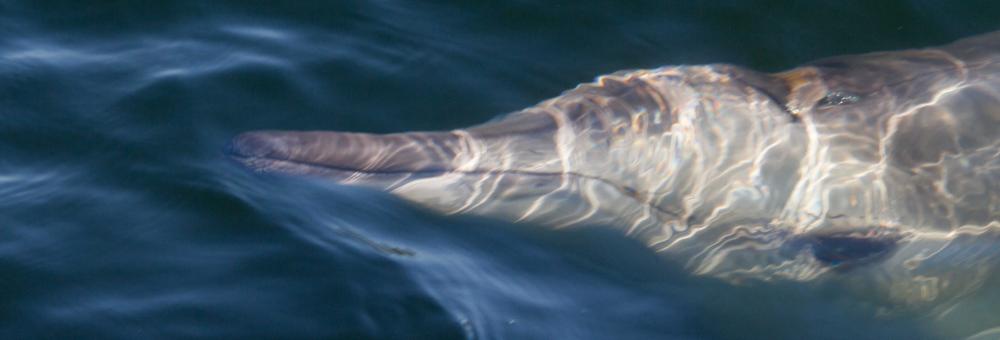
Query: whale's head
x: 880, y: 171
x: 517, y: 169
x: 626, y: 151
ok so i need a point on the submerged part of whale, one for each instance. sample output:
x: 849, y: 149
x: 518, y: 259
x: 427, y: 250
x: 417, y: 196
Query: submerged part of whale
x: 880, y: 170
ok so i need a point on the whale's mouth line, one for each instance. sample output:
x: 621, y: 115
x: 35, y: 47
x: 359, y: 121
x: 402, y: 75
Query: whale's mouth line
x: 253, y: 162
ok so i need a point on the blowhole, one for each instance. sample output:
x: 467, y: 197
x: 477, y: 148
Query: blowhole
x: 837, y: 98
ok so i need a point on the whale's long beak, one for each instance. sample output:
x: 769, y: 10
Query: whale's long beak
x: 331, y: 153
x: 358, y: 158
x: 362, y: 158
x: 518, y: 169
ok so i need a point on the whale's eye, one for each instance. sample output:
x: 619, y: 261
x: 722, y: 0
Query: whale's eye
x: 843, y: 248
x: 837, y: 98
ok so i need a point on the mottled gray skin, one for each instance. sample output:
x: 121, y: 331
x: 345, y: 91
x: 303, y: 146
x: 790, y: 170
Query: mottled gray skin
x: 878, y: 171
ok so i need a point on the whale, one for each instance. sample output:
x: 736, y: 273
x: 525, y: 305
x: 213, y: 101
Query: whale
x: 877, y: 171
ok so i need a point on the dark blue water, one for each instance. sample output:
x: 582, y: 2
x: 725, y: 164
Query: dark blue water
x: 121, y: 218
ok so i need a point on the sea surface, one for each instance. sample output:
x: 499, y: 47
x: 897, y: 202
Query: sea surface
x: 121, y: 217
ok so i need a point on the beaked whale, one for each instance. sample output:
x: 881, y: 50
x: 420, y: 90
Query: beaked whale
x: 880, y: 171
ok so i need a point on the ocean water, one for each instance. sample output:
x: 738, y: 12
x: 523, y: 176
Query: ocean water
x: 120, y: 216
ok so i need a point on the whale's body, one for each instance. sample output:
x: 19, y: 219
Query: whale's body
x: 879, y: 170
